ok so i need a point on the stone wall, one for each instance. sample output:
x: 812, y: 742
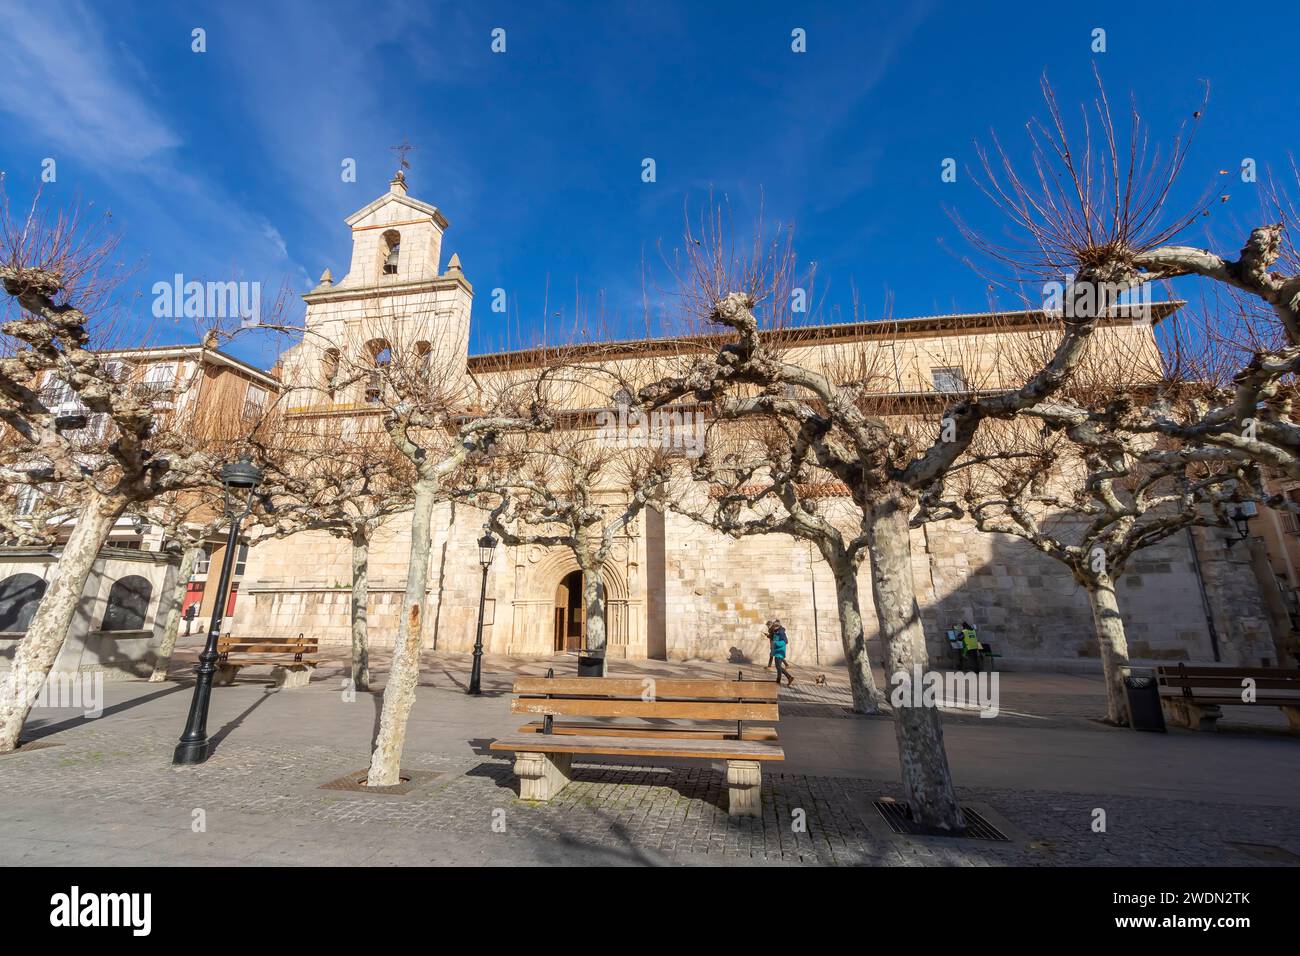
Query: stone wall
x: 88, y: 648
x: 713, y: 594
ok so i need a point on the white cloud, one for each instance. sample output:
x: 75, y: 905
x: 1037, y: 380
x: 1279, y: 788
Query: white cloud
x: 61, y: 82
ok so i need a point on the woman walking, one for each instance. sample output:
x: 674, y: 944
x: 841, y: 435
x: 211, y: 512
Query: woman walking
x: 780, y: 643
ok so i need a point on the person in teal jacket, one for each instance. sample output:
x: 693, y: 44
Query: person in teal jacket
x: 780, y: 644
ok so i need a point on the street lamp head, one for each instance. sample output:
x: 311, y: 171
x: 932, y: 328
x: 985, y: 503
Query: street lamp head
x: 487, y: 546
x: 241, y: 475
x: 1242, y: 522
x: 239, y: 481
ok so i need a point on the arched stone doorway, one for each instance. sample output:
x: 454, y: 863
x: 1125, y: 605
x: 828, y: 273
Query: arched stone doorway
x: 548, y: 582
x: 571, y: 613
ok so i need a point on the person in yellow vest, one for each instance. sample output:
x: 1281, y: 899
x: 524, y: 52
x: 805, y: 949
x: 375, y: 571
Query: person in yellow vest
x: 970, y: 646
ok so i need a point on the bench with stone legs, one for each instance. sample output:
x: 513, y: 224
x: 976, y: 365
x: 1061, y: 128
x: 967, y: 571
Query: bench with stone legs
x: 1193, y: 696
x: 289, y: 668
x: 667, y: 720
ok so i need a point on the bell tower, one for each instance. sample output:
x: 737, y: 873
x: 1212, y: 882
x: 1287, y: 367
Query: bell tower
x: 396, y: 299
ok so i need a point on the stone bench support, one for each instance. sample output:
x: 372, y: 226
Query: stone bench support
x: 289, y: 676
x: 542, y: 776
x: 744, y: 788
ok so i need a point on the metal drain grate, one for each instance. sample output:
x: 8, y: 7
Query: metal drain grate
x: 899, y: 817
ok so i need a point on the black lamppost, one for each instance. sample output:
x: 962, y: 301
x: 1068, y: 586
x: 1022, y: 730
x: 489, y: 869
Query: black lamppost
x: 1241, y: 521
x: 487, y: 547
x: 239, y: 481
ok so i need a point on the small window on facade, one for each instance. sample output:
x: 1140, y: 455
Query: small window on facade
x: 241, y: 559
x: 392, y: 250
x: 382, y: 356
x: 202, y: 562
x: 424, y: 357
x: 28, y: 495
x: 128, y: 604
x: 950, y: 379
x: 254, y: 402
x: 56, y: 393
x: 330, y: 370
x: 20, y: 596
x: 1292, y: 517
x: 159, y: 378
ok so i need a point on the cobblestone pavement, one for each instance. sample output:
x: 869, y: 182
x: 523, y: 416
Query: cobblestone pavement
x: 105, y: 792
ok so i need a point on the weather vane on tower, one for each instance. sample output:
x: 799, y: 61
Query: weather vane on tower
x: 401, y: 152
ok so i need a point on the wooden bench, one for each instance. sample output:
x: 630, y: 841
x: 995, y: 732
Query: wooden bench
x: 544, y: 749
x: 1193, y: 696
x: 289, y: 668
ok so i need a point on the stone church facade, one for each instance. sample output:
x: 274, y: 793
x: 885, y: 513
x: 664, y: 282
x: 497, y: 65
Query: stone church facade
x: 674, y: 589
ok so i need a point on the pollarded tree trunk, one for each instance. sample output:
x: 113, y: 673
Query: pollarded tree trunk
x: 593, y: 601
x: 49, y: 628
x: 189, y: 557
x: 1109, y: 626
x: 360, y: 595
x: 399, y: 692
x: 927, y: 782
x: 866, y: 696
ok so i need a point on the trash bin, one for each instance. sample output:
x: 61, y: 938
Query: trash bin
x: 591, y: 664
x: 1143, y: 693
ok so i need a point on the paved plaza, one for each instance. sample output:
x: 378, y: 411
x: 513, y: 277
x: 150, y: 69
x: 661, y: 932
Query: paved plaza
x: 103, y: 791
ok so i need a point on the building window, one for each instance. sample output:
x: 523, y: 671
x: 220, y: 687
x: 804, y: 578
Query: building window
x: 20, y: 596
x: 424, y: 359
x: 1292, y: 518
x: 381, y: 355
x: 28, y: 495
x: 128, y: 604
x: 202, y: 562
x: 948, y: 379
x: 159, y: 379
x: 56, y: 393
x: 241, y: 559
x: 254, y: 403
x: 392, y: 251
x: 329, y: 367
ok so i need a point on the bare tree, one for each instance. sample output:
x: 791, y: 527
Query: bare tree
x: 886, y: 459
x: 1101, y: 202
x: 188, y: 519
x: 758, y: 486
x: 320, y: 480
x: 437, y: 417
x: 112, y: 445
x: 1091, y: 499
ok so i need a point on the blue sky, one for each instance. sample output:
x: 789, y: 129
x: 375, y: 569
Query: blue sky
x: 227, y: 163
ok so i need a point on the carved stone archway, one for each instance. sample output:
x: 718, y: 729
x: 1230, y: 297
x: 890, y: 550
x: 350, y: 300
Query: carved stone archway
x: 538, y: 573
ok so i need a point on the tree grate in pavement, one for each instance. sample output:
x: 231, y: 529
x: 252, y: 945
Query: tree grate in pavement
x: 899, y: 817
x: 408, y: 781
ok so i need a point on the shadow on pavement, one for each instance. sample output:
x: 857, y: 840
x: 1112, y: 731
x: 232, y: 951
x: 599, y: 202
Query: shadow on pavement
x: 37, y: 731
x: 216, y: 739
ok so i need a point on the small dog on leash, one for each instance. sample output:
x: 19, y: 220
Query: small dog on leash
x: 821, y: 680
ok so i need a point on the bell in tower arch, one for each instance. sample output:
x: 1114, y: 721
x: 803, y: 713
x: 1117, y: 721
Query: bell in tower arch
x: 393, y: 243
